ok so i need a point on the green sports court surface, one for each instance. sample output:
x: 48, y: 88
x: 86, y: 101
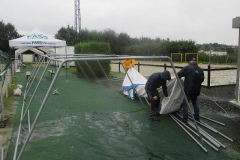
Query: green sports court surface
x: 91, y: 121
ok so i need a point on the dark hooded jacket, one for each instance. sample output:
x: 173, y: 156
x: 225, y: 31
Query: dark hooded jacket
x: 189, y: 73
x: 156, y: 80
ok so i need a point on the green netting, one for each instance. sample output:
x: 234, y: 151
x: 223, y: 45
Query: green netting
x: 89, y: 121
x: 5, y: 61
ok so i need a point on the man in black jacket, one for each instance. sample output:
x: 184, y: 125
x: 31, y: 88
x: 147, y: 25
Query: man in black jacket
x: 156, y: 80
x: 194, y: 76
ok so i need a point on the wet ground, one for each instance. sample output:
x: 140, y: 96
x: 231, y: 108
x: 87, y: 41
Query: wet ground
x: 78, y: 125
x: 221, y: 95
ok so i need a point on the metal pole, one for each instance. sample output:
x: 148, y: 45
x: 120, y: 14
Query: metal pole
x: 93, y: 72
x: 209, y: 77
x: 238, y: 70
x: 2, y: 154
x: 139, y: 67
x: 132, y: 84
x: 39, y: 112
x: 106, y: 76
x: 29, y: 123
x: 173, y: 117
x: 83, y: 71
x: 185, y: 98
x: 66, y: 64
x: 1, y: 91
x: 212, y: 120
x: 191, y: 136
x: 40, y: 80
x: 34, y: 78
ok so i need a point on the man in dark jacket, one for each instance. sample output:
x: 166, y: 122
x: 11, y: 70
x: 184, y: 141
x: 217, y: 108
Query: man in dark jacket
x: 194, y: 76
x: 156, y: 80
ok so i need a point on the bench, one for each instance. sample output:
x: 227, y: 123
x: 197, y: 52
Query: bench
x: 28, y: 73
x: 51, y: 72
x: 23, y: 65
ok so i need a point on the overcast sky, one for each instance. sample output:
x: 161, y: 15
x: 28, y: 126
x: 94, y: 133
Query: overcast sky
x: 204, y: 21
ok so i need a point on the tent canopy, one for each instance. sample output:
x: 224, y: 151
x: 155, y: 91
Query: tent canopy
x: 36, y: 39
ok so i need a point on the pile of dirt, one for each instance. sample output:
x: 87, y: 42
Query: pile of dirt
x: 217, y: 100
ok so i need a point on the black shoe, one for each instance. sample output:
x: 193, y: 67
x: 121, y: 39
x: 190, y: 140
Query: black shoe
x: 154, y: 119
x: 185, y: 122
x: 197, y: 119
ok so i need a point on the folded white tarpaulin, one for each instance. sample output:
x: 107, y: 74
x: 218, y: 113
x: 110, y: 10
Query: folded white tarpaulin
x: 173, y: 87
x: 138, y: 81
x: 175, y: 98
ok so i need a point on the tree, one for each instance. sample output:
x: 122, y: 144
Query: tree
x: 69, y: 35
x: 7, y: 32
x: 110, y: 36
x: 124, y: 40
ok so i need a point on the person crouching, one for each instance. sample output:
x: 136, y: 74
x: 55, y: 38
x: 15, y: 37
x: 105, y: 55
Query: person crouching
x: 156, y: 80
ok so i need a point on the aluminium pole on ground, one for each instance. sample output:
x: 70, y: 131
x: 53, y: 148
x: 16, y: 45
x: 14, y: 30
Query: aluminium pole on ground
x: 185, y: 98
x: 190, y: 135
x: 186, y: 126
x: 205, y: 140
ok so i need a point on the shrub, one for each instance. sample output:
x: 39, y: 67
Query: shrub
x: 93, y: 48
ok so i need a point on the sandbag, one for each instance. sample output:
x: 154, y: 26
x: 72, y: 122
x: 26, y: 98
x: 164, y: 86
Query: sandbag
x: 17, y: 92
x: 19, y: 86
x: 18, y: 70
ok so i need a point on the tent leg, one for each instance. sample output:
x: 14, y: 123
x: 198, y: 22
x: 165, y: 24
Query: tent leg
x: 39, y: 112
x: 106, y: 76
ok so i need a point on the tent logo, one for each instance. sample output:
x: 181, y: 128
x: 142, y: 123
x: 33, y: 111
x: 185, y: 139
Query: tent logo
x: 37, y: 36
x: 39, y: 42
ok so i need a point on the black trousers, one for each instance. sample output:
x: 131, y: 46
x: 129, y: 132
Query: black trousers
x: 193, y: 99
x: 154, y: 104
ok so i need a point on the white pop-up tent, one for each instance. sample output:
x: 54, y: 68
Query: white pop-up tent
x: 37, y: 40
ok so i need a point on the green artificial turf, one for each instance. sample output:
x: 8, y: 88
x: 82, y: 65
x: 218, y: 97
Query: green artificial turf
x: 91, y: 121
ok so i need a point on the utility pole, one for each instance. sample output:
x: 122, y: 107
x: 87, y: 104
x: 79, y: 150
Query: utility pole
x: 77, y: 18
x: 236, y: 24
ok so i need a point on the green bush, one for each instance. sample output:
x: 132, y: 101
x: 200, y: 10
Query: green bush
x: 218, y: 59
x: 93, y: 48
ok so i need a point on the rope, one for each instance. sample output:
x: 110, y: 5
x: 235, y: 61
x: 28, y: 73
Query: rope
x: 214, y: 102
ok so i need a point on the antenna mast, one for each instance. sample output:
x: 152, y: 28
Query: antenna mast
x: 77, y: 19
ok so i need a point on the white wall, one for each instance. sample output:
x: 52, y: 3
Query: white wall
x: 27, y: 58
x: 62, y: 50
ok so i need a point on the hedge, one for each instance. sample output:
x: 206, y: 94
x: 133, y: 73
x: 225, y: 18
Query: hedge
x: 93, y: 48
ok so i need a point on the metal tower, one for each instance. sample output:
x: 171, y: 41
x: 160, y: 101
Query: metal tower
x: 77, y: 19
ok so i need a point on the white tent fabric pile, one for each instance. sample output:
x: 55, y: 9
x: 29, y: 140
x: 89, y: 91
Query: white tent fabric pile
x: 139, y: 82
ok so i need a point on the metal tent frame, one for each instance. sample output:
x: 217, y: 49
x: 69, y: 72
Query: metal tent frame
x: 74, y: 58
